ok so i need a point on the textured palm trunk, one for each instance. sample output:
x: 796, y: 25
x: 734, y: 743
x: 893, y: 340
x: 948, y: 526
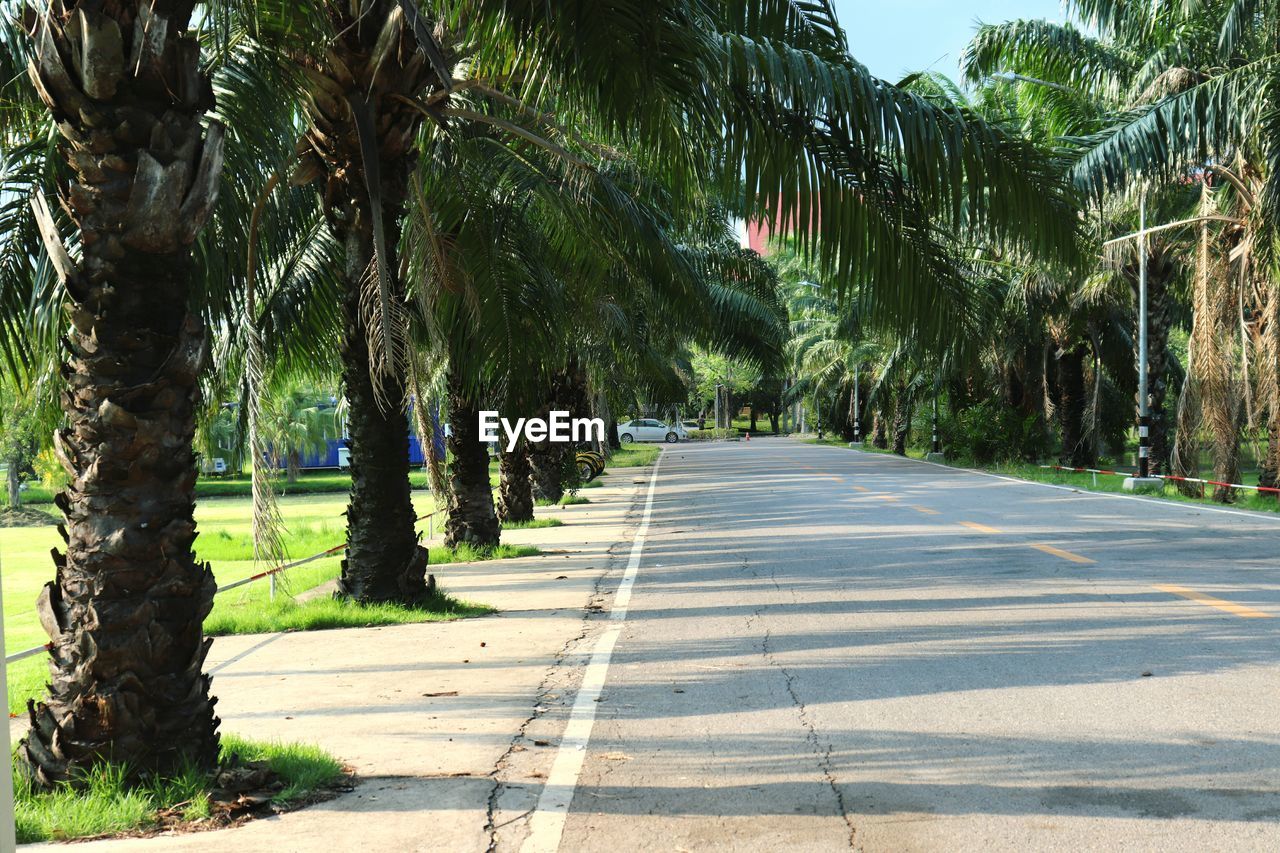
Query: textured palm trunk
x: 1269, y: 379
x: 547, y: 464
x: 360, y: 147
x: 384, y: 561
x: 125, y: 610
x: 14, y: 484
x: 1213, y: 335
x: 471, y: 514
x: 879, y: 438
x: 901, y: 423
x: 1077, y: 450
x: 515, y: 491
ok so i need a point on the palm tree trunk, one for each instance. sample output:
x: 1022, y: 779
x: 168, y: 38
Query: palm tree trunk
x: 879, y: 439
x: 384, y: 561
x: 1269, y: 380
x: 546, y: 461
x: 292, y: 466
x: 471, y: 515
x: 515, y: 491
x: 1073, y: 405
x: 125, y: 610
x: 14, y: 484
x: 361, y: 147
x: 901, y: 421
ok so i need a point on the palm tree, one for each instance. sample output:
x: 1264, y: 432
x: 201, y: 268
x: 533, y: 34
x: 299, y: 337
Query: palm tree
x: 294, y: 423
x: 125, y: 84
x: 515, y: 488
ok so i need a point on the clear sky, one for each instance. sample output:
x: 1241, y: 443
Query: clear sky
x: 891, y: 37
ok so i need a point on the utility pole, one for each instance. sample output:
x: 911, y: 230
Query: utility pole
x: 1144, y: 415
x: 1144, y: 480
x: 857, y: 409
x: 937, y: 447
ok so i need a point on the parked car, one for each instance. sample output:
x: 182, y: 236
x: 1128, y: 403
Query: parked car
x: 647, y: 429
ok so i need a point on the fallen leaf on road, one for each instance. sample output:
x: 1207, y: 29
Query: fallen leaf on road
x: 616, y: 756
x: 542, y: 743
x: 442, y: 693
x: 560, y: 578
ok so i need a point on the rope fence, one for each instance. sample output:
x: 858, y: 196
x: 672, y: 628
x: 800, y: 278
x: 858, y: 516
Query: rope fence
x: 329, y: 552
x: 1171, y: 478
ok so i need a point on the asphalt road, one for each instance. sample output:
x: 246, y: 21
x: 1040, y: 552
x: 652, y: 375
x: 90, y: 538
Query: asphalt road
x: 828, y: 650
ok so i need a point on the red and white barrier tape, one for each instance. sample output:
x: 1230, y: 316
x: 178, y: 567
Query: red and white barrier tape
x: 26, y: 653
x: 1169, y: 477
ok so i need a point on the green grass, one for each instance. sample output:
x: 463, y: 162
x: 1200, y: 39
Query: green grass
x: 315, y: 523
x: 465, y: 553
x: 309, y: 483
x: 1109, y: 483
x: 323, y: 612
x: 105, y: 806
x: 535, y: 524
x: 567, y: 500
x: 634, y: 455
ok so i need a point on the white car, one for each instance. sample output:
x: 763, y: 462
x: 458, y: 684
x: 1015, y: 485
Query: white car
x: 647, y: 429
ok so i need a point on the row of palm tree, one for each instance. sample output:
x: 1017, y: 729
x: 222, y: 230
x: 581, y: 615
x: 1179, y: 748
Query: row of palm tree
x: 1159, y: 114
x: 511, y: 202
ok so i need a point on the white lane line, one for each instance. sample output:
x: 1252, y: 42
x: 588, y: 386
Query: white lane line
x: 546, y: 824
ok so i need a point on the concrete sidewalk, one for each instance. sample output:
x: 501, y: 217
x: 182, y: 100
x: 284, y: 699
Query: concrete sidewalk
x: 425, y: 714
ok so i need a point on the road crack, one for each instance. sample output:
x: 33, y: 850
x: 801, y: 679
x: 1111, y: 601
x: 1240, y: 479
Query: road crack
x: 821, y: 750
x: 553, y: 691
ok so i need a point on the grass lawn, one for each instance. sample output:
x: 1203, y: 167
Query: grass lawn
x: 536, y: 524
x: 108, y: 807
x: 260, y: 615
x: 315, y: 524
x: 634, y: 455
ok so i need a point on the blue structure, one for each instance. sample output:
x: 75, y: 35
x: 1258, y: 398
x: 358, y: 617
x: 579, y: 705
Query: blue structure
x: 330, y: 457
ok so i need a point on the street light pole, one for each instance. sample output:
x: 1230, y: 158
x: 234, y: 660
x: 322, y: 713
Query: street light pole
x: 857, y: 410
x: 1144, y: 415
x: 937, y: 446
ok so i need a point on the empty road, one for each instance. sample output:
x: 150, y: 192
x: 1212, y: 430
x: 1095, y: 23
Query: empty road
x: 826, y: 649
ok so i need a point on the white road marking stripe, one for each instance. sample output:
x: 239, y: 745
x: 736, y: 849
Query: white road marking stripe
x: 546, y: 824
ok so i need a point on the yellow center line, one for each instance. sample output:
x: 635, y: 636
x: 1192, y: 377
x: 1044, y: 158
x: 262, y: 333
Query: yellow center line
x: 1210, y: 601
x: 1058, y: 552
x: 924, y: 509
x: 889, y: 497
x: 862, y: 488
x: 981, y: 528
